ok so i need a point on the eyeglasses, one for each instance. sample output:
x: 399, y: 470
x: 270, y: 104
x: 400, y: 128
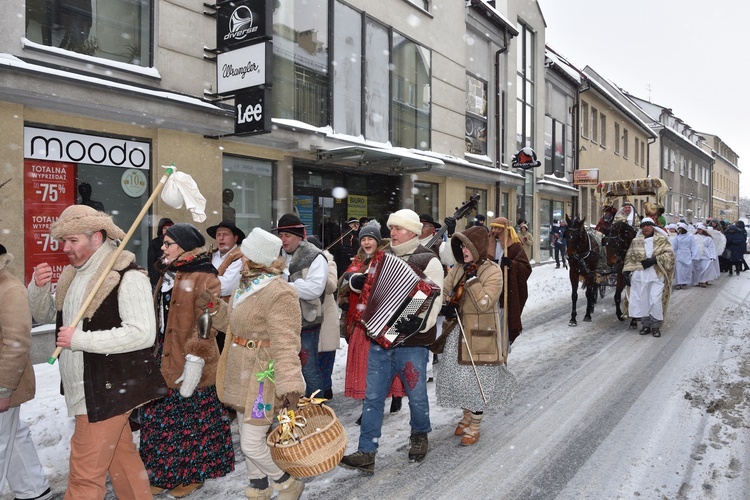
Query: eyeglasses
x: 168, y: 244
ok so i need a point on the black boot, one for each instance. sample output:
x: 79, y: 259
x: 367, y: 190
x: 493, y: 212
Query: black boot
x: 328, y: 394
x: 418, y: 446
x: 363, y: 461
x: 645, y: 330
x: 633, y: 324
x: 656, y: 332
x: 359, y: 420
x: 395, y: 404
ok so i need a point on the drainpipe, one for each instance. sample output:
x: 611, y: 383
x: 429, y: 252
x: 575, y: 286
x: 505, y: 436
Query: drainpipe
x: 500, y: 138
x: 577, y: 132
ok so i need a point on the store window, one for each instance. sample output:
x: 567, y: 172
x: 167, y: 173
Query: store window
x: 119, y: 30
x: 347, y: 70
x: 300, y: 47
x: 410, y: 84
x: 247, y: 195
x: 64, y: 168
x: 481, y: 204
x: 426, y: 199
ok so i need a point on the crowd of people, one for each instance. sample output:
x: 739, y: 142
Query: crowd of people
x: 204, y: 336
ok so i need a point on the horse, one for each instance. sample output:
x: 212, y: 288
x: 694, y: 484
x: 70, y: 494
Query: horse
x: 583, y: 257
x: 616, y: 241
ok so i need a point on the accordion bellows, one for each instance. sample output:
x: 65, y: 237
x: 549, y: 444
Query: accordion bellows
x: 398, y: 290
x: 320, y: 447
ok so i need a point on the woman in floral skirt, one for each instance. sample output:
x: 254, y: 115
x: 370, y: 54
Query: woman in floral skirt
x: 185, y: 437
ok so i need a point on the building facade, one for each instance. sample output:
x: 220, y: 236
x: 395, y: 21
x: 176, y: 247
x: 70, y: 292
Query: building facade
x: 725, y: 179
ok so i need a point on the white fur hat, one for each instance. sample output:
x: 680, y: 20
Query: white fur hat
x: 261, y: 247
x: 408, y: 219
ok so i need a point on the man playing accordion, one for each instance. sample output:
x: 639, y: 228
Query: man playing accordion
x: 407, y: 359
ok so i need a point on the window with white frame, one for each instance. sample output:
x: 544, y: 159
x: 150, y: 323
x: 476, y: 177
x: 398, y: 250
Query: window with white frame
x: 643, y: 153
x: 525, y: 78
x: 603, y: 130
x: 617, y: 138
x: 594, y: 125
x: 118, y: 30
x: 584, y: 119
x: 625, y: 143
x: 476, y: 115
x: 636, y: 157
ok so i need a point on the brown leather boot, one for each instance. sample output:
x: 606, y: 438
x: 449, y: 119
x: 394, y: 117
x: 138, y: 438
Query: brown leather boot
x: 471, y: 433
x: 463, y: 424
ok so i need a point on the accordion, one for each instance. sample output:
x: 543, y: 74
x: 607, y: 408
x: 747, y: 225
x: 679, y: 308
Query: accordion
x: 398, y: 289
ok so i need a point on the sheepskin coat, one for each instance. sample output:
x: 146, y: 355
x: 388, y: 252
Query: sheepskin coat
x: 270, y: 314
x: 194, y: 274
x: 16, y: 371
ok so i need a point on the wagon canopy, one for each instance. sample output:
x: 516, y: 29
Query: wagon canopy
x: 633, y: 187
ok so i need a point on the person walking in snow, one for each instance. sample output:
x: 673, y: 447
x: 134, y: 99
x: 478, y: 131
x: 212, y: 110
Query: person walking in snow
x: 19, y: 462
x: 650, y: 264
x: 471, y: 292
x: 260, y: 370
x: 106, y: 365
x: 189, y: 424
x: 685, y: 254
x: 705, y: 268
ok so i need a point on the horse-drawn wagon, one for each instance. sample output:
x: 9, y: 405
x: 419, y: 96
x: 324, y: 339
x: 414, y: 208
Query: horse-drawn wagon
x: 596, y: 256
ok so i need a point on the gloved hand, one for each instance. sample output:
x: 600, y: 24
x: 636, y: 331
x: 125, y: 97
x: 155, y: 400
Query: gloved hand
x: 191, y: 375
x: 207, y: 300
x: 448, y: 311
x: 626, y: 278
x: 290, y: 400
x: 505, y: 261
x: 408, y: 324
x: 357, y: 281
x: 450, y: 225
x: 646, y: 263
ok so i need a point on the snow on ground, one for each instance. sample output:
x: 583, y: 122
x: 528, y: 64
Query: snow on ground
x: 549, y: 292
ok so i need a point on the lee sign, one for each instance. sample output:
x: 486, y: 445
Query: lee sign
x: 252, y: 112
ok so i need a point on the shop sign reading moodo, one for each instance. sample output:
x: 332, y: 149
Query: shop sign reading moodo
x: 56, y: 145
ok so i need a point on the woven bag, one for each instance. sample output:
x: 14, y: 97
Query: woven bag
x: 318, y: 445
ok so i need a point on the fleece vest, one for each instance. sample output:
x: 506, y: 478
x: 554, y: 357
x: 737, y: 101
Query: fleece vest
x: 116, y: 383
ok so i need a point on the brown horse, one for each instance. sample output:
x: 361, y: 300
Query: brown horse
x: 616, y: 241
x: 583, y: 257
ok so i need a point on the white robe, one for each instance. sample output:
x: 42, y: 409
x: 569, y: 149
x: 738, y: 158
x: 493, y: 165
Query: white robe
x: 646, y: 288
x: 704, y: 269
x: 685, y: 252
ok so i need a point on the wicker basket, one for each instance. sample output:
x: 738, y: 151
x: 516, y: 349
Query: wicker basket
x: 320, y: 447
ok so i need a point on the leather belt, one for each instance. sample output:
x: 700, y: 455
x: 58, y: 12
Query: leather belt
x: 251, y: 344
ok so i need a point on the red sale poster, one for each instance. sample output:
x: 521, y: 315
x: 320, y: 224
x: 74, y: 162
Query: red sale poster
x: 49, y: 188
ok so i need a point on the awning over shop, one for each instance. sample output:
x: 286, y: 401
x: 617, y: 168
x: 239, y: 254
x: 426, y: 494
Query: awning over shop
x: 395, y: 161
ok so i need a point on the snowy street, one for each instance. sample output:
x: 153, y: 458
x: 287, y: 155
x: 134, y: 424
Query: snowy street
x: 601, y: 412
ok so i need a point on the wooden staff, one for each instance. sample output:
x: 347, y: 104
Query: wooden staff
x: 340, y: 238
x: 505, y: 297
x: 111, y: 263
x: 471, y: 357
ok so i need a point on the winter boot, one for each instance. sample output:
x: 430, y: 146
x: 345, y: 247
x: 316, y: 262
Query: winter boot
x: 418, y: 446
x: 656, y: 332
x: 289, y: 487
x: 633, y: 324
x: 259, y: 489
x: 184, y: 490
x: 471, y: 434
x: 645, y: 330
x: 363, y: 461
x: 395, y: 404
x: 463, y: 423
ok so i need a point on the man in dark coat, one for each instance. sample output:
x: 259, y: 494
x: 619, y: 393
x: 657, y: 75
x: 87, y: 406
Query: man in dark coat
x: 514, y: 259
x: 154, y: 251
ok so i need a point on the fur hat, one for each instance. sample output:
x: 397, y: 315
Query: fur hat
x: 227, y: 224
x: 647, y: 221
x: 475, y: 239
x: 290, y: 223
x: 261, y: 247
x: 186, y: 235
x: 81, y: 219
x: 371, y: 230
x: 408, y: 219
